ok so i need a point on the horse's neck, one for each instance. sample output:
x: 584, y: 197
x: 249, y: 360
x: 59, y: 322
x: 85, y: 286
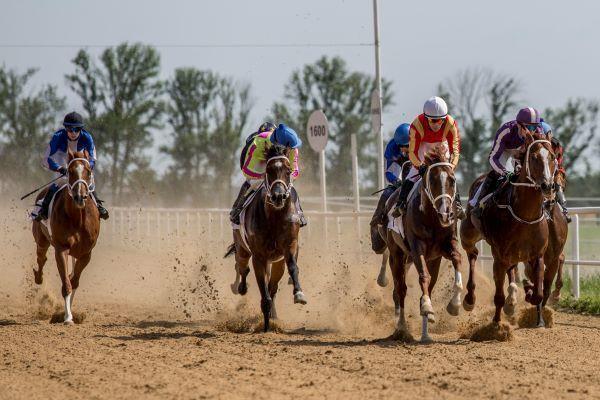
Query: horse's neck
x: 429, y: 212
x: 526, y: 201
x: 274, y: 216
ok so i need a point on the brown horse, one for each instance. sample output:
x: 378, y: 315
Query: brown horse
x: 74, y: 227
x: 429, y: 234
x: 515, y: 225
x: 272, y: 225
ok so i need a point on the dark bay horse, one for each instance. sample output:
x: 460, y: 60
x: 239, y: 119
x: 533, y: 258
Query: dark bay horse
x: 514, y: 224
x: 430, y: 233
x: 272, y: 225
x: 74, y: 228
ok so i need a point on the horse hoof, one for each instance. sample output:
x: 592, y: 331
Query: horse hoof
x: 426, y: 339
x: 509, y: 309
x: 468, y: 307
x: 290, y: 281
x: 453, y: 309
x: 242, y: 289
x: 299, y: 298
x: 38, y: 277
x: 382, y: 280
x: 69, y: 322
x: 234, y: 288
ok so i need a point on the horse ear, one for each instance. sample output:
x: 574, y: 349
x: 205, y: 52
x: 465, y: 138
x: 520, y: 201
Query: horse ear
x: 86, y: 154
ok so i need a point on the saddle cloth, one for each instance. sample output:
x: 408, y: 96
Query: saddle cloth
x: 396, y: 224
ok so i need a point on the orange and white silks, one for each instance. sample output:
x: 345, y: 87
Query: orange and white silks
x: 423, y: 138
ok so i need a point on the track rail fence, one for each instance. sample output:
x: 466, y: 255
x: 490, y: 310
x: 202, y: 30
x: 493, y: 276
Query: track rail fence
x: 155, y: 226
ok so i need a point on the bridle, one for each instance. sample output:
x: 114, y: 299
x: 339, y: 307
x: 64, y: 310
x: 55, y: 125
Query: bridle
x: 89, y: 186
x: 427, y: 186
x: 286, y: 185
x: 531, y: 182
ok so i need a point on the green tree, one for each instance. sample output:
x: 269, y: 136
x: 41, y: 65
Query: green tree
x: 121, y: 97
x: 575, y: 125
x: 207, y: 114
x: 27, y: 120
x: 345, y: 98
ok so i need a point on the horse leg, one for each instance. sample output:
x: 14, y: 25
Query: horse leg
x: 80, y: 265
x: 61, y: 255
x: 511, y: 301
x: 262, y: 279
x: 242, y: 269
x: 382, y: 280
x: 290, y: 280
x: 276, y: 274
x: 559, y: 280
x: 41, y: 251
x: 434, y: 270
x: 499, y: 273
x: 398, y: 268
x: 426, y: 309
x: 292, y: 266
x: 453, y: 307
x: 538, y: 280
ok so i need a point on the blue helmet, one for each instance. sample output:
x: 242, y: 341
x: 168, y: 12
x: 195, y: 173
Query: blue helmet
x: 286, y: 136
x: 546, y: 127
x: 401, y: 136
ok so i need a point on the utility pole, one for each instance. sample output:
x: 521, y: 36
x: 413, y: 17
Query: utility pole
x: 379, y: 133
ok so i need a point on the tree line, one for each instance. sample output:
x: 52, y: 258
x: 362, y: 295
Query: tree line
x: 206, y: 117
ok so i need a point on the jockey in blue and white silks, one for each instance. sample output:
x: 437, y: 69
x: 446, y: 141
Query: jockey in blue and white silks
x: 74, y: 138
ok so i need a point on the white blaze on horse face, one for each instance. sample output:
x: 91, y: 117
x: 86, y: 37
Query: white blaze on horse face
x: 545, y: 154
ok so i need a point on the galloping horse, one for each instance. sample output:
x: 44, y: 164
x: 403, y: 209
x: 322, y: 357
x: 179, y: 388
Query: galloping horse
x: 515, y: 225
x: 271, y: 227
x: 429, y: 227
x: 74, y: 225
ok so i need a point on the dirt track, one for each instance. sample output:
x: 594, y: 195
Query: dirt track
x: 159, y: 324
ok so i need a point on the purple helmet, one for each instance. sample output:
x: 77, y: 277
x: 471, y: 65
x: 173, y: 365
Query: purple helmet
x: 528, y: 115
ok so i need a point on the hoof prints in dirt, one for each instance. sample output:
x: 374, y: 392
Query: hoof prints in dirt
x: 501, y: 332
x: 528, y: 317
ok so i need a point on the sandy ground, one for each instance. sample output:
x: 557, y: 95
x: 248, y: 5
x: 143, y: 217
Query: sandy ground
x: 161, y: 322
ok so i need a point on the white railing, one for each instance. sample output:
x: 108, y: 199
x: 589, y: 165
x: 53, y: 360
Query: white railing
x: 155, y: 224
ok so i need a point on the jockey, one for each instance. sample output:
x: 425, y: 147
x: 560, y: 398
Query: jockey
x: 507, y: 143
x: 255, y: 164
x: 265, y: 127
x: 427, y: 130
x: 73, y: 137
x: 557, y: 148
x: 396, y: 155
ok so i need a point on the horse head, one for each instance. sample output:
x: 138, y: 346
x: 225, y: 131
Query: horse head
x: 79, y: 173
x: 439, y: 184
x: 538, y: 164
x: 278, y: 181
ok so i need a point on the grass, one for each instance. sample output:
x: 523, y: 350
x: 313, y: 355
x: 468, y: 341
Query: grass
x: 589, y: 299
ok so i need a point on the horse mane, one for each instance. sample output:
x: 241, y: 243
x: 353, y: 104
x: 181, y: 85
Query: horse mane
x: 275, y: 151
x: 437, y: 154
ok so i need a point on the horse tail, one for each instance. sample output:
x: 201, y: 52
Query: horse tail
x: 230, y: 250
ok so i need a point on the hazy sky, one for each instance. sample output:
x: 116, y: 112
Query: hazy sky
x: 551, y: 46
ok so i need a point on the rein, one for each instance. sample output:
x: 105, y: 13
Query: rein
x: 426, y: 185
x: 269, y: 186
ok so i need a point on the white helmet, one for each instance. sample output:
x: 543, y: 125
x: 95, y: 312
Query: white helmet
x: 435, y: 107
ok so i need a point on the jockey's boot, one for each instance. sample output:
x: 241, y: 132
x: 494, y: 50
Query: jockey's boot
x: 486, y: 187
x: 560, y: 197
x: 379, y: 214
x: 460, y: 211
x: 299, y: 211
x: 103, y: 211
x: 238, y: 204
x: 400, y: 209
x: 43, y: 212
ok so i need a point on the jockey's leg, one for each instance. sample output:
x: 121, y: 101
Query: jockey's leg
x: 43, y: 211
x: 560, y: 197
x: 299, y: 210
x: 238, y: 204
x: 407, y: 185
x: 460, y: 211
x: 103, y: 211
x: 379, y: 214
x: 488, y: 185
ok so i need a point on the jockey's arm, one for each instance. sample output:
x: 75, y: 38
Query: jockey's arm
x: 454, y: 145
x: 413, y: 147
x: 294, y: 157
x: 48, y: 161
x: 91, y: 149
x: 497, y: 150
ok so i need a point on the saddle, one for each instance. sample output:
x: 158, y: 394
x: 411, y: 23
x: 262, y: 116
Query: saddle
x: 396, y: 224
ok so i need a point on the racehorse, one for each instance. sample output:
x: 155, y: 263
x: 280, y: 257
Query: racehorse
x: 379, y: 232
x: 430, y: 233
x: 74, y: 224
x: 271, y: 225
x: 514, y: 224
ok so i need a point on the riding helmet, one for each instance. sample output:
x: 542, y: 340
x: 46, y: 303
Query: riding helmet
x: 286, y: 136
x: 401, y: 136
x: 73, y: 119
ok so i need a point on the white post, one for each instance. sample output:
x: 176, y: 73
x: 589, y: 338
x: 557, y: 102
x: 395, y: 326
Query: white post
x: 575, y: 256
x: 380, y: 169
x: 355, y: 188
x: 323, y: 181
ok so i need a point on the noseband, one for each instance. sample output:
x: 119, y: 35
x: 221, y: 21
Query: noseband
x: 427, y: 185
x: 531, y: 182
x: 82, y: 181
x: 286, y: 185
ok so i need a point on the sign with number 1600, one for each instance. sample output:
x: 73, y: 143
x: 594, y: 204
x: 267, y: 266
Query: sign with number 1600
x: 317, y: 130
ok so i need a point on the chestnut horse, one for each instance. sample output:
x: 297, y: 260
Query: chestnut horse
x: 74, y: 224
x: 430, y: 233
x: 515, y: 225
x: 272, y: 225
